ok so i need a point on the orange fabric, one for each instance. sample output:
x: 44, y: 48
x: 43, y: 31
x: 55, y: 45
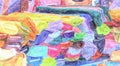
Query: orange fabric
x: 28, y: 22
x: 96, y: 56
x: 65, y: 45
x: 5, y: 7
x: 3, y: 36
x: 115, y: 56
x: 2, y: 43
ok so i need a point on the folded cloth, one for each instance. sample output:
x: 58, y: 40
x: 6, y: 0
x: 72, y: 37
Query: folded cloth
x: 54, y: 51
x: 75, y: 10
x: 116, y: 32
x: 72, y: 54
x: 16, y: 46
x: 3, y: 36
x: 48, y: 62
x: 44, y: 34
x: 56, y: 41
x: 66, y: 27
x: 55, y: 26
x: 17, y: 60
x: 25, y: 49
x: 7, y: 54
x: 38, y: 51
x: 103, y: 29
x: 88, y: 50
x: 78, y: 36
x: 34, y: 61
x: 115, y: 56
x: 14, y: 39
x: 99, y: 42
x: 2, y: 43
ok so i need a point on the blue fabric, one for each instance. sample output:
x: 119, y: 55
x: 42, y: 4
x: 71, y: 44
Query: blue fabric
x: 87, y: 16
x: 42, y: 37
x: 81, y: 28
x: 34, y: 61
x: 110, y: 63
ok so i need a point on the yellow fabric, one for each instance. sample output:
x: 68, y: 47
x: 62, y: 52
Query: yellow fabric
x: 72, y: 59
x: 115, y: 56
x: 18, y: 60
x: 48, y: 62
x: 9, y: 27
x: 116, y: 33
x: 45, y: 19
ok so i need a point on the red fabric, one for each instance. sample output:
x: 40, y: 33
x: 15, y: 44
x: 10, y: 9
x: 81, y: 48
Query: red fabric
x: 65, y: 45
x: 112, y: 24
x: 36, y: 3
x: 96, y: 56
x: 66, y: 27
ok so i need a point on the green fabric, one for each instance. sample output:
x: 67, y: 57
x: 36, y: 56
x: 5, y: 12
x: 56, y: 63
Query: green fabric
x: 65, y: 10
x: 78, y: 36
x: 103, y: 29
x: 48, y: 62
x: 106, y: 12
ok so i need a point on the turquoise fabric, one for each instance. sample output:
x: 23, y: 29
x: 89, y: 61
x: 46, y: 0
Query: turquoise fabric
x: 70, y: 10
x: 38, y: 51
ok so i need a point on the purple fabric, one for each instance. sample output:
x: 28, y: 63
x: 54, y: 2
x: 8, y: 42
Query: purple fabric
x: 68, y: 34
x: 55, y: 26
x: 115, y: 4
x: 13, y: 6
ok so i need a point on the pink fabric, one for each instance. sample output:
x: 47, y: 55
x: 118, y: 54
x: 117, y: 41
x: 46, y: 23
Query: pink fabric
x: 54, y: 51
x: 109, y: 36
x: 110, y: 46
x: 50, y: 2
